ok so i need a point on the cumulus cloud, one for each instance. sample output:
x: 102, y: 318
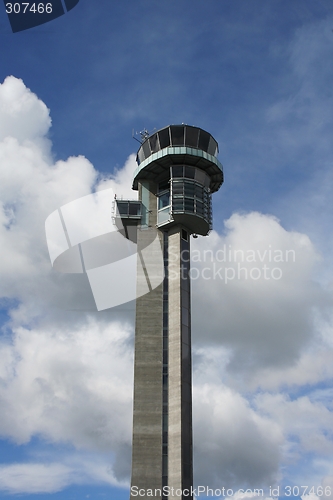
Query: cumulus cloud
x: 22, y: 115
x: 308, y: 424
x: 69, y: 385
x: 234, y: 446
x: 54, y: 475
x: 34, y: 478
x: 121, y: 181
x: 258, y: 293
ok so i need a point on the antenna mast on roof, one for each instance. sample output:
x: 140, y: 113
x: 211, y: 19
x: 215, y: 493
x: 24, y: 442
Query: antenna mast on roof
x: 144, y: 134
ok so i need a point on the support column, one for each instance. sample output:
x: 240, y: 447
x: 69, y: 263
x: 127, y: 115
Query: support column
x: 148, y: 407
x: 180, y: 464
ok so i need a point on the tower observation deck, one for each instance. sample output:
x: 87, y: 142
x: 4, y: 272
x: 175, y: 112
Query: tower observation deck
x: 177, y: 173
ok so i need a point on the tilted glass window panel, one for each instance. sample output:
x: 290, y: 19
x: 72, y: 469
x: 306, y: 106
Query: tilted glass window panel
x: 178, y: 200
x: 141, y: 156
x: 164, y: 138
x: 200, y: 176
x: 199, y: 207
x: 191, y: 136
x: 177, y: 135
x: 177, y: 188
x: 212, y: 146
x: 189, y: 189
x: 122, y: 207
x: 204, y: 140
x: 134, y: 209
x: 164, y: 200
x: 199, y: 192
x: 189, y: 205
x: 189, y: 172
x: 154, y: 145
x: 178, y: 205
x: 146, y: 149
x: 177, y: 171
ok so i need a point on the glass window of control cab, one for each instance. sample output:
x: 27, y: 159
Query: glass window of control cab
x: 190, y: 191
x: 164, y: 200
x: 122, y: 207
x: 191, y: 136
x: 154, y: 143
x: 134, y: 209
x: 164, y: 137
x: 177, y: 136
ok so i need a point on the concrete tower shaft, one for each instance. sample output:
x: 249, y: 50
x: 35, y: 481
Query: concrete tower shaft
x: 177, y: 173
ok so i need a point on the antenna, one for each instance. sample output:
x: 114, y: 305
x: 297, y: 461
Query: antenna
x: 133, y: 136
x: 144, y: 134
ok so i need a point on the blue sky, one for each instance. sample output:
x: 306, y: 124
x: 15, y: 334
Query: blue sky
x: 256, y: 74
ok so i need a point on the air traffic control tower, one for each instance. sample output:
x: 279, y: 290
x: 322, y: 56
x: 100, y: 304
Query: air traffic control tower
x: 177, y: 173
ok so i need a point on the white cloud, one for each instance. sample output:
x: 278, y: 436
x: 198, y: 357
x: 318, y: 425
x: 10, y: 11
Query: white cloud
x: 314, y: 365
x: 36, y: 477
x: 68, y: 385
x: 266, y: 322
x: 234, y: 445
x: 309, y: 422
x: 23, y: 116
x: 121, y: 181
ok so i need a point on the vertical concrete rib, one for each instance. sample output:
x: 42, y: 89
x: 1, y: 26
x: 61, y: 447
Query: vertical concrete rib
x: 180, y: 469
x: 147, y: 411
